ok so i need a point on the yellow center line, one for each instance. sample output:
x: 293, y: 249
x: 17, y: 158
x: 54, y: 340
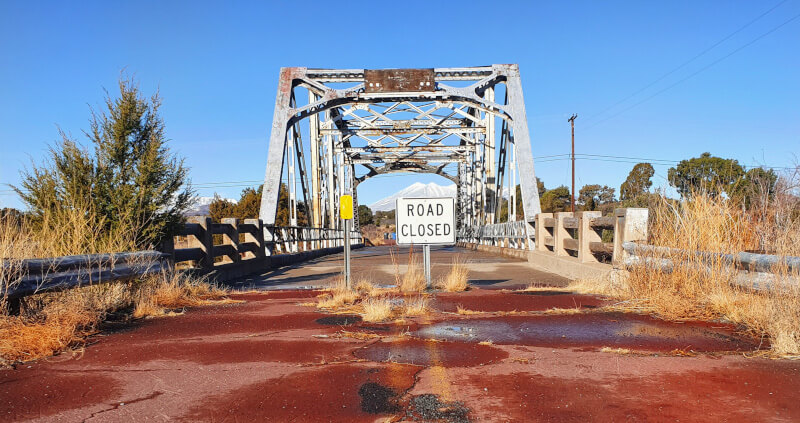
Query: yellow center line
x: 441, y: 382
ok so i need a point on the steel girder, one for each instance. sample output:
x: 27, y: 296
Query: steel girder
x: 402, y: 120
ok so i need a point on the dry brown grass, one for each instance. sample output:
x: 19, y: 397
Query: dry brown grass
x: 59, y: 321
x: 339, y: 296
x: 54, y: 322
x: 621, y: 351
x: 466, y: 312
x: 365, y: 288
x: 457, y: 278
x: 363, y: 336
x: 413, y: 280
x: 160, y: 293
x: 703, y: 288
x: 416, y: 306
x: 376, y: 309
x: 563, y: 311
x: 611, y: 284
x: 337, y: 299
x: 62, y: 320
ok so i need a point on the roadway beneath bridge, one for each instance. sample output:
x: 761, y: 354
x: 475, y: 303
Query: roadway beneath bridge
x: 512, y: 356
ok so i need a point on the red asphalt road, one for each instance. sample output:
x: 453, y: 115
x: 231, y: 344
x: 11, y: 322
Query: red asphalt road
x: 270, y: 359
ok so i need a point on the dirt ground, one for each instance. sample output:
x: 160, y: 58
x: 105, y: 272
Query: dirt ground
x: 272, y: 358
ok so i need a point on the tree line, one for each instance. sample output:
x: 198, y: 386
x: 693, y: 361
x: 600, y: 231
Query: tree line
x: 707, y: 174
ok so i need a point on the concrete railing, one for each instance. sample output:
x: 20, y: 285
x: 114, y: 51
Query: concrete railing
x: 578, y: 235
x: 249, y: 241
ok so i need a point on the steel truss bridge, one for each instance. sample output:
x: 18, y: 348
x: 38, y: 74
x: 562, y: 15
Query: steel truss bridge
x: 334, y: 129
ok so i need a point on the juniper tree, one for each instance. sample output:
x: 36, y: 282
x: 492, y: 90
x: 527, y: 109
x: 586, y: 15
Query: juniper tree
x: 128, y: 178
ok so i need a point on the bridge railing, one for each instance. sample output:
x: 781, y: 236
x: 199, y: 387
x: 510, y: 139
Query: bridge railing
x: 207, y: 245
x: 566, y: 234
x: 202, y: 243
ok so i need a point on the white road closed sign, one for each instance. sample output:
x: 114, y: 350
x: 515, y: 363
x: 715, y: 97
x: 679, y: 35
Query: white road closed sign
x: 426, y: 221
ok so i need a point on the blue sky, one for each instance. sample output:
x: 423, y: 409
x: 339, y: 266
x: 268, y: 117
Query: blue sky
x: 216, y: 65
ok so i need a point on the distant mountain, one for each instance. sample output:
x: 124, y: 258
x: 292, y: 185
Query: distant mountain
x: 200, y: 206
x: 417, y: 189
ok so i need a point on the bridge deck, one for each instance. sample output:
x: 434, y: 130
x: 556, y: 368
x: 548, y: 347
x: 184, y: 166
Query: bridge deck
x: 275, y: 358
x: 375, y: 264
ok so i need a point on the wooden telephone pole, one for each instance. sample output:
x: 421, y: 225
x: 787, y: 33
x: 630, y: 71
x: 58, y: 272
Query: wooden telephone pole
x: 571, y: 121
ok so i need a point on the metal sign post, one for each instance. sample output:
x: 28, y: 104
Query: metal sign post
x: 426, y: 222
x: 346, y: 213
x: 426, y: 254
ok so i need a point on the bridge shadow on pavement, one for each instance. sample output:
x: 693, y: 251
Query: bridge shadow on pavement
x: 380, y: 264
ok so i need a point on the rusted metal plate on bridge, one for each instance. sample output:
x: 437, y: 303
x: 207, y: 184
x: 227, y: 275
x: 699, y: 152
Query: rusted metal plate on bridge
x: 398, y: 80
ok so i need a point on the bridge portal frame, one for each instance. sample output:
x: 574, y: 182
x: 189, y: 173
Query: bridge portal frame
x: 363, y: 111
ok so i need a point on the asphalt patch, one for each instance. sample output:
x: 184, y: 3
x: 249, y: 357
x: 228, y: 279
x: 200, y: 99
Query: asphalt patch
x: 339, y: 320
x: 377, y: 399
x: 428, y: 407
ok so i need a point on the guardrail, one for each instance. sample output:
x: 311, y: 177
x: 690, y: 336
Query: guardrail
x: 566, y: 234
x: 757, y: 271
x: 23, y: 278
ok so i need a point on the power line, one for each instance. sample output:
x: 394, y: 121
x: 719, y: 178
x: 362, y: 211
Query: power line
x: 659, y: 162
x: 692, y: 59
x: 704, y: 68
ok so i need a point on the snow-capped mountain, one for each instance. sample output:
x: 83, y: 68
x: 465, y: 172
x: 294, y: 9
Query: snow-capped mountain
x: 417, y: 189
x: 200, y: 206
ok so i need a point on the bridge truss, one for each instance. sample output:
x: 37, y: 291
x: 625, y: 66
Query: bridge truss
x: 334, y: 129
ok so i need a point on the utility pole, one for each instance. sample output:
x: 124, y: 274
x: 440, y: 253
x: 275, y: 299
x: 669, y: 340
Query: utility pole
x: 571, y: 121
